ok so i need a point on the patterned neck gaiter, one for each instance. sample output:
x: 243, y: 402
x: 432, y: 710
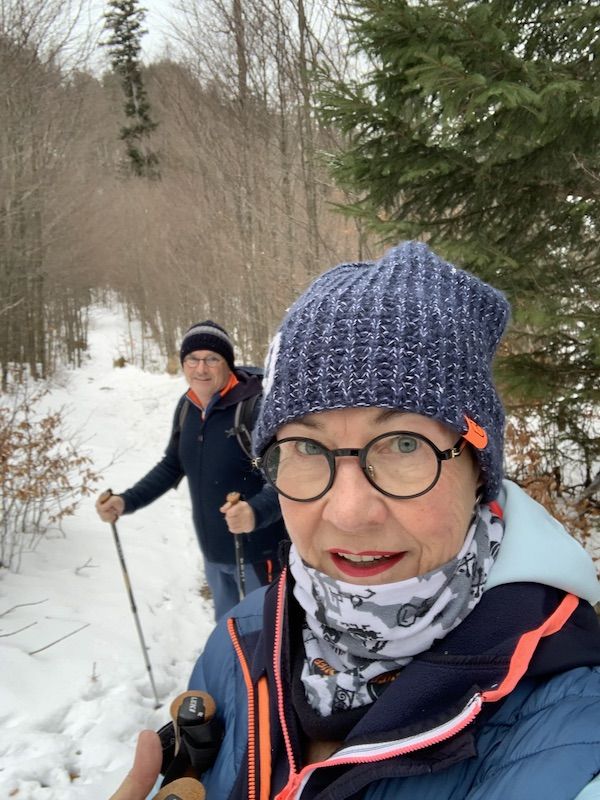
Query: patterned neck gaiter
x: 356, y: 638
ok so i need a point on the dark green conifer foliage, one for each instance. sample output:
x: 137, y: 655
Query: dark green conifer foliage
x: 477, y: 127
x: 124, y: 20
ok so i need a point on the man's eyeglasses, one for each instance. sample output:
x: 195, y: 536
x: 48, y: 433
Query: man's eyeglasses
x: 400, y: 464
x: 210, y: 361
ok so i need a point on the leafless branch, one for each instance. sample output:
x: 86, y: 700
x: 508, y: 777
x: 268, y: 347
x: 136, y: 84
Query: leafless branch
x: 13, y: 633
x: 88, y: 565
x: 22, y: 605
x: 56, y: 641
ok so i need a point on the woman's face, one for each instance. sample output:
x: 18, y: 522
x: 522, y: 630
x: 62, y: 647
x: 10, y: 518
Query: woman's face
x: 356, y: 534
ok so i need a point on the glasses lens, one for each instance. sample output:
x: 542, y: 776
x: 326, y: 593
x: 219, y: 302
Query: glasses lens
x: 210, y: 361
x: 402, y: 464
x: 298, y: 468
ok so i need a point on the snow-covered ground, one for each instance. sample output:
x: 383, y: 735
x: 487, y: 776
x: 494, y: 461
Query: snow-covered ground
x: 70, y: 713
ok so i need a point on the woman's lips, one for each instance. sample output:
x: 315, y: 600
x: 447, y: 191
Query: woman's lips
x: 366, y: 563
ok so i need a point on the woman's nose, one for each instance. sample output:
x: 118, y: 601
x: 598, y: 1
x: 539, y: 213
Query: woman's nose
x: 353, y: 503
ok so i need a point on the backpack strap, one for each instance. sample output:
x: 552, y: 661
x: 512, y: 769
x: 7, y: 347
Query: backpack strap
x: 182, y: 415
x: 185, y: 405
x: 243, y: 422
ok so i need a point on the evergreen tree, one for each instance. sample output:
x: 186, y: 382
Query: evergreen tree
x: 125, y: 19
x: 476, y: 126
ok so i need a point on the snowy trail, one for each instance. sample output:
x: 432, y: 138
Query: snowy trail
x: 69, y: 715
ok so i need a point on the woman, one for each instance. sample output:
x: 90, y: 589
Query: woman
x: 432, y: 636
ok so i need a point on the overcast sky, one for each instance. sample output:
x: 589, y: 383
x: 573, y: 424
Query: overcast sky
x: 158, y: 15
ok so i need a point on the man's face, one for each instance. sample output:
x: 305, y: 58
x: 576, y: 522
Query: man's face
x: 206, y: 373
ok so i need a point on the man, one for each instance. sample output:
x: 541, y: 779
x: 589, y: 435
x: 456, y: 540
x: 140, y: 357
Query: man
x: 204, y: 448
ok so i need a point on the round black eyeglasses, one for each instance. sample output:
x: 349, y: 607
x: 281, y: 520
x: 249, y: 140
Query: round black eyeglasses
x: 399, y: 464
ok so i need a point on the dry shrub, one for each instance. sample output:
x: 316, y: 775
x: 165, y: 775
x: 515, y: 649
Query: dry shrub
x: 562, y: 495
x: 44, y: 476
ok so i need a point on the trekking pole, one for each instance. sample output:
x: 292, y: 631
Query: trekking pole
x: 240, y: 564
x: 105, y: 495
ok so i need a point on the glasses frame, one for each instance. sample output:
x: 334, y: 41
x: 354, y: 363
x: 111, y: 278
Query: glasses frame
x: 361, y: 453
x: 205, y: 359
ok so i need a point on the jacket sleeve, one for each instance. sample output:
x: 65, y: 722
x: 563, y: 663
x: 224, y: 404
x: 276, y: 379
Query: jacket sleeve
x: 163, y: 476
x: 549, y: 747
x: 266, y: 507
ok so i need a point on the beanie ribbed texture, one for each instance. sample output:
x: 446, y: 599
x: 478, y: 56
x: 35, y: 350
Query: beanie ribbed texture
x: 207, y: 336
x: 409, y: 331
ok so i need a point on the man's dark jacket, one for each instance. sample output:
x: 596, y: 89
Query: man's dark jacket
x: 208, y: 454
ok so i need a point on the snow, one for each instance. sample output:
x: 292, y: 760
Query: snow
x: 70, y: 713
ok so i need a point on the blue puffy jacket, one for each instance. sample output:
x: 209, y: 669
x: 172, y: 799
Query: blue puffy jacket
x: 506, y: 707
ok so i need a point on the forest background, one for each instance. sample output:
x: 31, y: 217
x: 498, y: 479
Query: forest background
x: 273, y: 139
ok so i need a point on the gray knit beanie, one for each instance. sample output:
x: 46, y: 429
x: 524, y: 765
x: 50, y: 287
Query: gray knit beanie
x: 409, y: 331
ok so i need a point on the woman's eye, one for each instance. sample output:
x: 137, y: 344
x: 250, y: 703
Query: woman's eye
x: 403, y: 444
x: 308, y: 448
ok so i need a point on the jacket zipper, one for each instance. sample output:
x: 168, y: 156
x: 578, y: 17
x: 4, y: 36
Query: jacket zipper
x: 276, y: 671
x: 369, y: 754
x: 251, y: 705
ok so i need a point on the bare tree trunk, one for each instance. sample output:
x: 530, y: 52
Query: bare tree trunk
x: 307, y: 138
x: 284, y: 146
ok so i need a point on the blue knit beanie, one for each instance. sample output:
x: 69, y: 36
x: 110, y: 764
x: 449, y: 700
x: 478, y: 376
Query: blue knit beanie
x: 409, y: 331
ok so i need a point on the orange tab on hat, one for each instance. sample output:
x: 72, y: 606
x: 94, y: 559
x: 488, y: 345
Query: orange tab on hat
x: 475, y: 434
